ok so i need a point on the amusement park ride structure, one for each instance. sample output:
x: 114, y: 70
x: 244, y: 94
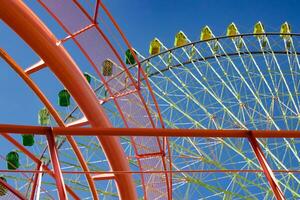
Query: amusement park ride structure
x: 131, y: 89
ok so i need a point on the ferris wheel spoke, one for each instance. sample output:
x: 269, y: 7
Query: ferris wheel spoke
x: 179, y: 110
x: 169, y: 101
x: 298, y: 65
x: 282, y: 76
x: 189, y: 94
x: 230, y: 88
x: 247, y: 68
x: 220, y: 163
x: 238, y: 81
x: 181, y: 146
x: 287, y: 142
x: 276, y: 97
x: 289, y: 58
x: 210, y: 91
x: 247, y: 85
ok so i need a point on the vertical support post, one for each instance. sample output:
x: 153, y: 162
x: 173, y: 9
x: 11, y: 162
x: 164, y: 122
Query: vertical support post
x: 56, y: 166
x: 36, y: 187
x: 96, y: 11
x: 266, y: 168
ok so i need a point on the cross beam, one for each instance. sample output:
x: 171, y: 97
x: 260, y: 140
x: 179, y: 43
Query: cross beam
x: 252, y: 136
x: 78, y: 131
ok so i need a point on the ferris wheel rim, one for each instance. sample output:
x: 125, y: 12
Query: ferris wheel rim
x: 215, y: 39
x: 238, y: 35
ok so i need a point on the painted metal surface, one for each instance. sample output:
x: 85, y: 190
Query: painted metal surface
x: 56, y: 167
x: 266, y: 168
x: 251, y: 135
x: 25, y: 23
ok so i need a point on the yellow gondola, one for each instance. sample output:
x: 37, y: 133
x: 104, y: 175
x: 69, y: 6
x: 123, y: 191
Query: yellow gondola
x: 154, y: 47
x: 206, y: 33
x: 180, y: 39
x: 232, y: 30
x: 285, y: 29
x: 258, y: 29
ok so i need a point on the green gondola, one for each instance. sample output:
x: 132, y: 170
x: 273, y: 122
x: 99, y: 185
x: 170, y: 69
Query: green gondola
x: 129, y: 57
x: 64, y: 98
x: 88, y: 77
x: 28, y: 140
x: 12, y: 159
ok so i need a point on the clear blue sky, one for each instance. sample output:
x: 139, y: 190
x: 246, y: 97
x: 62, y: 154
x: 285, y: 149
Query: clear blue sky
x: 141, y: 21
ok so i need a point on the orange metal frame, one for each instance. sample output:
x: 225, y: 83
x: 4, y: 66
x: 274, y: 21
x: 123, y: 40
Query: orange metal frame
x: 147, y: 132
x: 29, y: 27
x: 12, y: 190
x: 52, y: 111
x: 101, y: 132
x: 137, y: 86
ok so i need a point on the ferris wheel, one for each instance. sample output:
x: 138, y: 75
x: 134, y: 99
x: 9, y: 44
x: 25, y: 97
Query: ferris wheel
x: 237, y: 82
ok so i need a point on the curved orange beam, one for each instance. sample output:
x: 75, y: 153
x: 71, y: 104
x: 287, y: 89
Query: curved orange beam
x: 54, y: 114
x: 36, y: 160
x: 140, y: 71
x: 137, y: 90
x: 30, y: 28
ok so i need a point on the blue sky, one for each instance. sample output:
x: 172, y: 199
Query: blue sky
x: 142, y: 20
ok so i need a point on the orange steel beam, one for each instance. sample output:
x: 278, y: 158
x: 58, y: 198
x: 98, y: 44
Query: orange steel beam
x: 251, y: 135
x: 79, y: 131
x: 34, y: 158
x: 153, y: 172
x: 97, y: 70
x: 54, y: 114
x: 75, y: 34
x: 93, y: 64
x: 56, y: 167
x: 31, y: 29
x: 96, y: 11
x: 36, y: 182
x: 35, y: 67
x: 78, y: 123
x: 18, y: 129
x: 175, y: 132
x: 12, y: 190
x: 266, y: 168
x: 104, y: 176
x: 11, y: 62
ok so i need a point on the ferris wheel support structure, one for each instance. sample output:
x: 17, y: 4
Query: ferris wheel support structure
x: 28, y: 26
x: 217, y: 57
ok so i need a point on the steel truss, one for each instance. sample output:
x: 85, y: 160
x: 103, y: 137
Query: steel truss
x: 50, y: 132
x: 146, y: 109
